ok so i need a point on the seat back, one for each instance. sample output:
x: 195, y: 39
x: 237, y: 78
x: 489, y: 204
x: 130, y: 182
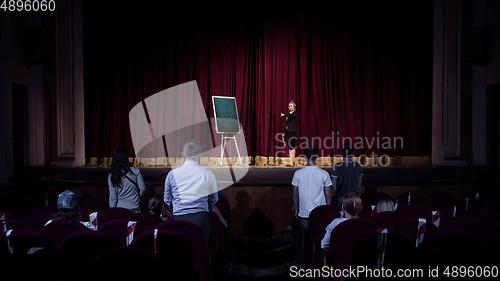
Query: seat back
x: 468, y: 204
x: 84, y: 245
x: 7, y: 215
x: 410, y: 211
x: 429, y: 204
x: 174, y: 251
x: 21, y: 239
x: 38, y: 221
x: 367, y: 251
x: 482, y: 229
x: 345, y: 237
x: 463, y: 244
x: 193, y: 234
x: 490, y: 217
x: 118, y: 229
x: 100, y: 219
x: 403, y: 198
x: 34, y: 263
x: 14, y: 224
x: 57, y: 231
x: 324, y: 222
x: 410, y: 228
x: 145, y: 261
x: 366, y: 212
x: 145, y: 221
x: 445, y: 219
x: 317, y: 214
x: 388, y: 219
x: 26, y: 214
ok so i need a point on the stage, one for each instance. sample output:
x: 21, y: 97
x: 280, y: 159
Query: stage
x: 272, y: 175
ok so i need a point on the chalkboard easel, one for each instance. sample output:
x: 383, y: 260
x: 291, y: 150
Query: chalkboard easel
x: 226, y: 122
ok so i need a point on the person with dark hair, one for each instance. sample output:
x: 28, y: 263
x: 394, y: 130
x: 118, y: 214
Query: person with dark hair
x: 311, y: 187
x: 125, y: 182
x: 191, y: 190
x: 67, y: 203
x: 351, y: 205
x: 347, y: 175
x: 290, y: 133
x: 158, y: 207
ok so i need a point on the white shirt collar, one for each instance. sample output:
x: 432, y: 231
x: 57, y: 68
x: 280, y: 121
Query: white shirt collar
x: 191, y: 162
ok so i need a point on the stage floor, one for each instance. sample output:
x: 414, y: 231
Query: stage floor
x: 278, y: 175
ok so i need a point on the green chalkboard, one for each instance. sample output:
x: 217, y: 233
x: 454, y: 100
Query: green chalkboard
x: 226, y: 114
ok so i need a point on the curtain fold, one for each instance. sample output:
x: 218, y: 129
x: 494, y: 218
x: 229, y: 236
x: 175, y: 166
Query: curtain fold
x: 358, y: 70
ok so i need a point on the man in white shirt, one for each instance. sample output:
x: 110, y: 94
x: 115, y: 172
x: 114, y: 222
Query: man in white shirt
x: 311, y: 187
x: 191, y: 190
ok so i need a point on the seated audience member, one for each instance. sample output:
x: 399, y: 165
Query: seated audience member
x: 384, y: 204
x: 346, y: 175
x: 125, y: 182
x: 159, y: 208
x: 67, y: 202
x: 351, y: 205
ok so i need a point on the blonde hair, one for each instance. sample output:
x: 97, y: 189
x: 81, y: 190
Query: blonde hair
x: 351, y: 203
x: 384, y: 204
x: 294, y: 105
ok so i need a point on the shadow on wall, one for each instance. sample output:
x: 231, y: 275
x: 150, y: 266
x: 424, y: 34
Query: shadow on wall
x: 253, y: 222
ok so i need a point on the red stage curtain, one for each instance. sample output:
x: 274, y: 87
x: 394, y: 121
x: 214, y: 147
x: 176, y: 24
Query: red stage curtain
x: 359, y: 69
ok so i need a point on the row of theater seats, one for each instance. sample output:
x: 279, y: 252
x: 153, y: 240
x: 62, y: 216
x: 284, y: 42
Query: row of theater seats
x: 127, y: 244
x: 472, y: 238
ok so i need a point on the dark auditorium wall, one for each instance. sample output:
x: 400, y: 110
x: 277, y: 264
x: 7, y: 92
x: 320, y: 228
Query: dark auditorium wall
x: 486, y: 76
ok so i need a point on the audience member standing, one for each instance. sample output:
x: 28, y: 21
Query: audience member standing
x: 347, y: 175
x: 311, y: 187
x: 191, y: 190
x: 125, y: 182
